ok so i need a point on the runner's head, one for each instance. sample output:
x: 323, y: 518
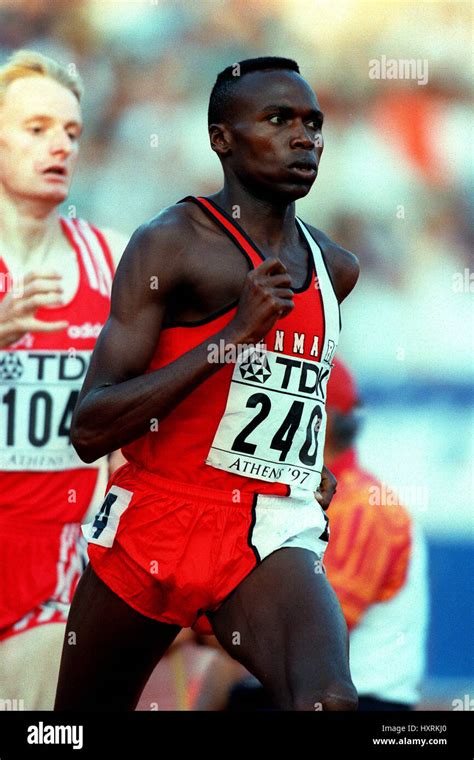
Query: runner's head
x: 40, y: 124
x: 343, y: 411
x: 265, y: 125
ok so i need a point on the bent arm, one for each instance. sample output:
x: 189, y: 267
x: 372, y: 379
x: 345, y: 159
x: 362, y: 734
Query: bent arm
x: 118, y: 401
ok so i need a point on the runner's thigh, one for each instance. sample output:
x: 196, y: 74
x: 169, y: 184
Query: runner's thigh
x: 285, y: 624
x: 109, y: 650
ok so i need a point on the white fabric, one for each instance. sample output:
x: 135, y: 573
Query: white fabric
x: 388, y: 647
x: 289, y: 521
x: 106, y: 522
x: 274, y: 423
x: 38, y: 408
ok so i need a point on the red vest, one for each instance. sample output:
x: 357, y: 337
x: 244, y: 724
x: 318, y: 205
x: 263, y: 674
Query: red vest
x: 42, y: 478
x: 257, y: 424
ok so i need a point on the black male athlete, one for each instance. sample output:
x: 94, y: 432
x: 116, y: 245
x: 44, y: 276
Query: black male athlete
x: 211, y: 374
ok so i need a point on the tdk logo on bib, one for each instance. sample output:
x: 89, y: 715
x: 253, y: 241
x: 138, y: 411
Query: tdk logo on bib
x: 256, y: 367
x: 274, y: 423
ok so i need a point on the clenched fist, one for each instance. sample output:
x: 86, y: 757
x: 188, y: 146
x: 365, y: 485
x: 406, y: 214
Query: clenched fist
x: 266, y: 297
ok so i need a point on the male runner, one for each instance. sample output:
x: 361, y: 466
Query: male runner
x: 55, y: 277
x: 224, y: 458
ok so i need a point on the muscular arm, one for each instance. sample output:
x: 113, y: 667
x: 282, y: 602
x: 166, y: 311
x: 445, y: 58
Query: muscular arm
x: 118, y: 401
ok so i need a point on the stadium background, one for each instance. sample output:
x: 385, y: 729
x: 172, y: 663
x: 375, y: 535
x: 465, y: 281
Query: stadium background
x: 393, y: 187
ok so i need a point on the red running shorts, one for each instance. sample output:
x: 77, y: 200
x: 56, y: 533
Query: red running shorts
x: 41, y: 567
x: 174, y: 551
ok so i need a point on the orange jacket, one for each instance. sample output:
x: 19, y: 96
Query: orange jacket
x: 370, y: 541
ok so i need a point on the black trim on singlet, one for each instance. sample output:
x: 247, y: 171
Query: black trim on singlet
x: 310, y: 268
x: 330, y: 277
x: 205, y: 320
x: 224, y: 229
x: 224, y: 309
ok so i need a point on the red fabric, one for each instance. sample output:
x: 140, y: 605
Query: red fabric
x: 61, y: 496
x: 178, y: 550
x: 179, y: 449
x: 37, y: 508
x: 342, y: 391
x: 105, y: 248
x: 37, y: 566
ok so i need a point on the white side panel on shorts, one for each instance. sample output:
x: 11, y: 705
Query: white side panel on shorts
x: 280, y: 519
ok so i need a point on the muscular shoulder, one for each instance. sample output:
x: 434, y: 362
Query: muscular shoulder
x: 158, y: 248
x: 342, y: 264
x: 173, y: 228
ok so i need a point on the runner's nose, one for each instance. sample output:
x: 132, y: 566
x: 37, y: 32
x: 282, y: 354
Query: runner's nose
x: 60, y: 143
x: 302, y: 137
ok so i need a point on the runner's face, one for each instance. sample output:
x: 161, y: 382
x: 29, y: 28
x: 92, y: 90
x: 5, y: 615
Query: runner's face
x: 279, y: 123
x: 40, y: 125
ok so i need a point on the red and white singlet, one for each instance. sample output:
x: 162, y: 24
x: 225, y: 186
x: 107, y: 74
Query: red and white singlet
x: 41, y: 375
x: 258, y: 424
x: 45, y: 488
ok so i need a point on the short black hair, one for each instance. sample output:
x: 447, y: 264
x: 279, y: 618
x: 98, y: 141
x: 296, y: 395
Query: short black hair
x: 220, y: 101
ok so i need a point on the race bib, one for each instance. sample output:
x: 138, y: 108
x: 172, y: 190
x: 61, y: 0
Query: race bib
x: 38, y: 393
x: 274, y: 423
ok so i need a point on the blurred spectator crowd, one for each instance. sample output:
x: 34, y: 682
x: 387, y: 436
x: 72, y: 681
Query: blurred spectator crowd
x: 393, y: 187
x: 397, y: 170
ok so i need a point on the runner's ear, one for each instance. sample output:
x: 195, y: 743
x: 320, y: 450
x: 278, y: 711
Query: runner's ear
x: 221, y: 140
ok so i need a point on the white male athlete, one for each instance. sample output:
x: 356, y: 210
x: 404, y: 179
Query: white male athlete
x: 55, y: 280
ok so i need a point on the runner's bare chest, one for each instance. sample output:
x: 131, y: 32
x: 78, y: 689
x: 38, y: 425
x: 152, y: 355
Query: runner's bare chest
x: 216, y: 272
x: 60, y: 258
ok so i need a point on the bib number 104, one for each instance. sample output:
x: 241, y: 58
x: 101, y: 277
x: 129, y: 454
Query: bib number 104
x: 284, y: 436
x: 39, y: 416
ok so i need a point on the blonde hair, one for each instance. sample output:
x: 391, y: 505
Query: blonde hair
x: 26, y: 63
